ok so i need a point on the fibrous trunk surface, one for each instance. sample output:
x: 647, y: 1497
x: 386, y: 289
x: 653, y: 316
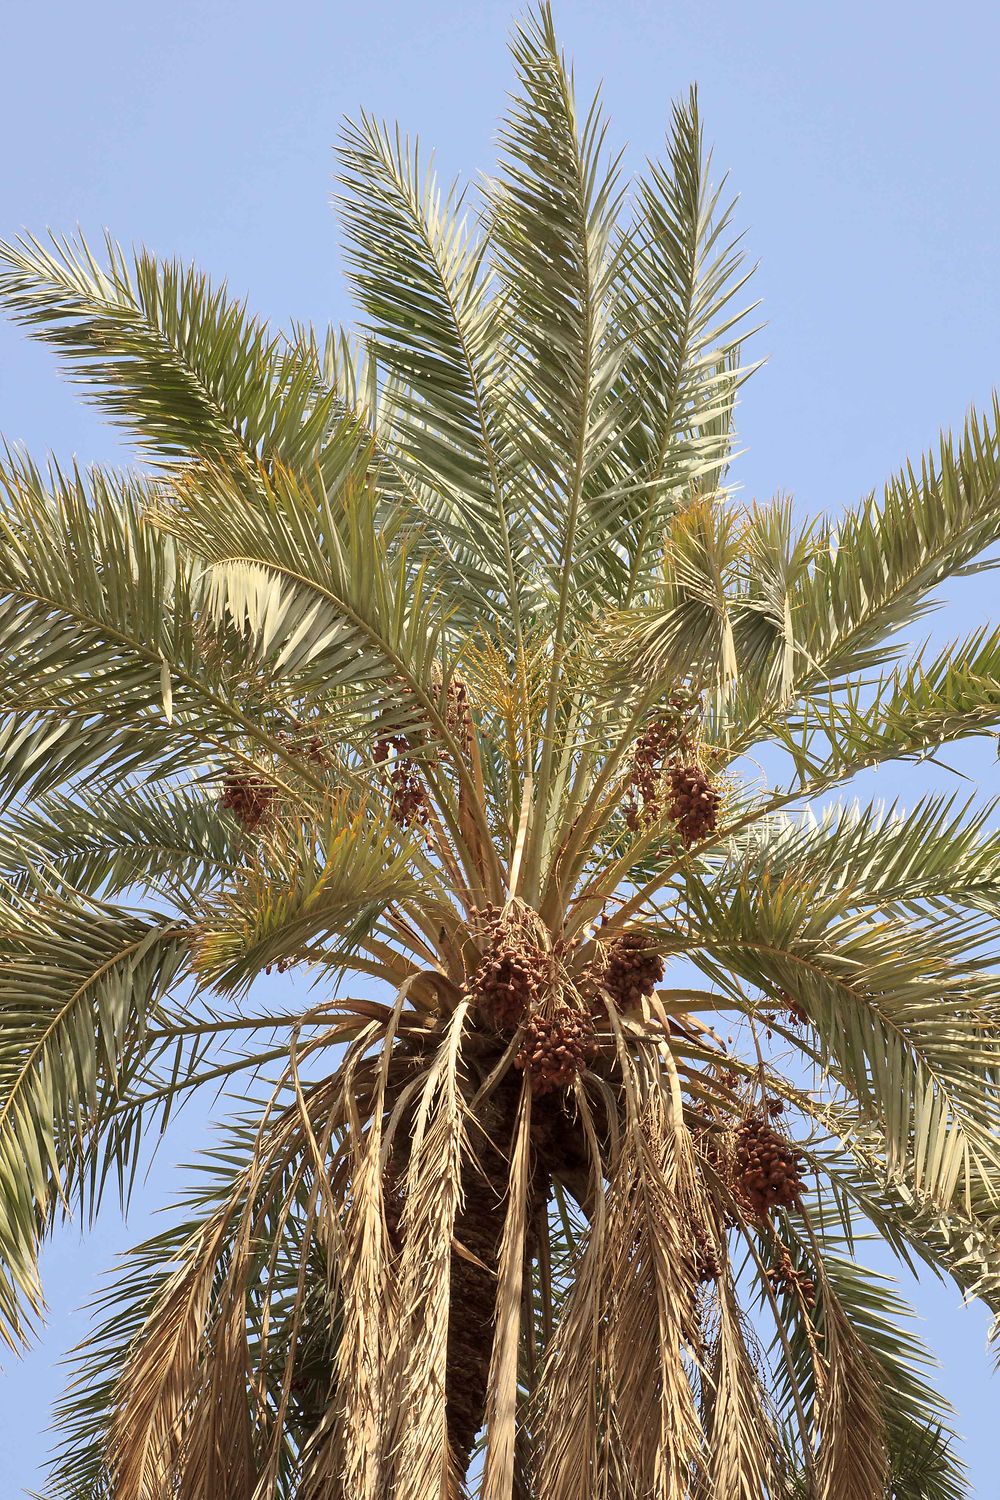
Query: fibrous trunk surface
x: 478, y: 1232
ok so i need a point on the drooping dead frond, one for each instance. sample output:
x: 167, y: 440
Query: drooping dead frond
x: 650, y: 1268
x: 160, y: 1380
x: 502, y: 1399
x: 417, y: 1427
x: 345, y: 1454
x: 190, y: 1411
x: 650, y: 1324
x: 742, y: 1448
x: 852, y: 1462
x: 568, y: 1422
x: 218, y: 1456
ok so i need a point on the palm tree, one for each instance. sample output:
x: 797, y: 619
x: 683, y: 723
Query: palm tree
x: 440, y: 667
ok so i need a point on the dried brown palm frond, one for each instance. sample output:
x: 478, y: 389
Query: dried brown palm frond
x: 159, y: 1383
x: 650, y: 1321
x: 743, y: 1454
x: 188, y: 1407
x: 568, y: 1423
x: 418, y: 1436
x: 350, y: 1454
x: 502, y: 1389
x: 656, y: 1194
x: 853, y: 1460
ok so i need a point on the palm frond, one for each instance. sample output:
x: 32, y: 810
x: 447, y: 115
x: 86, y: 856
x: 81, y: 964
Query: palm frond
x: 551, y: 222
x: 743, y: 1456
x: 874, y: 569
x: 421, y: 281
x: 179, y: 363
x: 333, y: 885
x: 900, y: 1013
x: 931, y: 701
x: 940, y: 850
x: 681, y: 276
x: 79, y: 985
x: 159, y: 840
x: 914, y: 1418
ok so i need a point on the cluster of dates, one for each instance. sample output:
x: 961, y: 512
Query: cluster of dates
x: 767, y: 1167
x: 557, y: 1048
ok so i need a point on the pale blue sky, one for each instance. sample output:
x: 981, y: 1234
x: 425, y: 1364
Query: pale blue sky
x: 862, y: 138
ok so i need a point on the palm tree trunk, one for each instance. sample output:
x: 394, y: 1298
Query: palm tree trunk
x: 556, y: 1148
x: 478, y: 1232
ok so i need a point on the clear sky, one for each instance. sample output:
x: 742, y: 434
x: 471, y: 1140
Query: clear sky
x: 863, y: 139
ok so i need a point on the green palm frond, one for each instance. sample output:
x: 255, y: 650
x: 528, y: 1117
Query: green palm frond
x: 875, y: 568
x: 102, y: 653
x: 552, y: 213
x: 899, y: 1009
x: 79, y: 985
x: 941, y: 849
x: 158, y: 840
x: 326, y: 605
x: 682, y: 275
x: 920, y: 1442
x: 333, y: 884
x: 421, y: 281
x: 179, y: 363
x: 930, y: 702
